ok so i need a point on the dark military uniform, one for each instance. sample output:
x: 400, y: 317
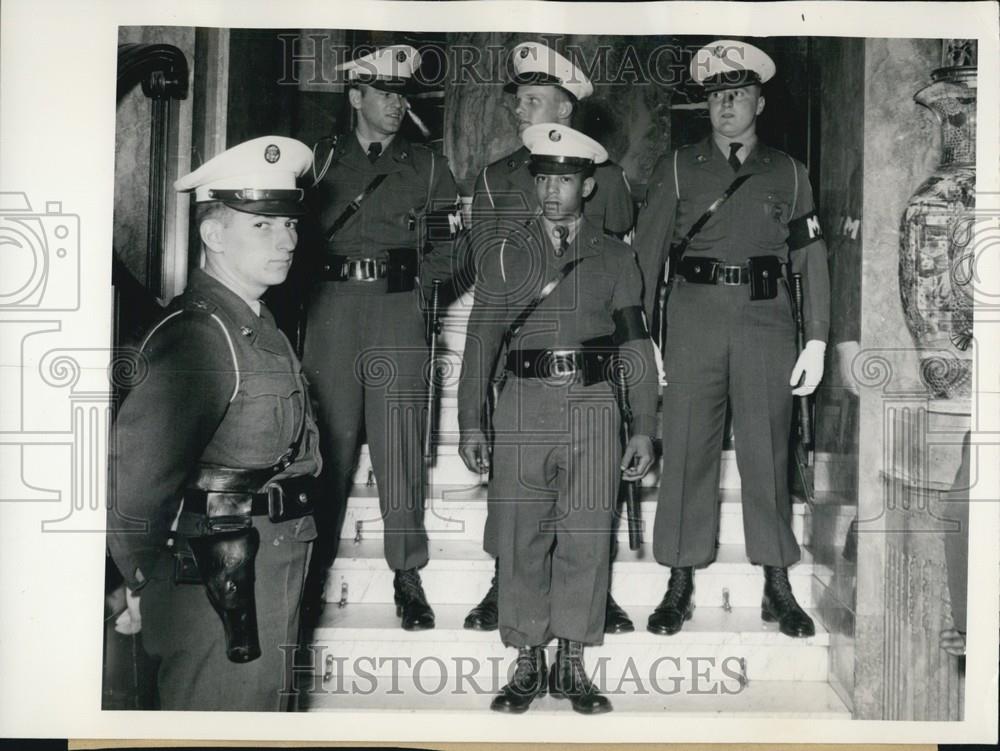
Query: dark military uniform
x: 721, y: 345
x: 506, y: 190
x: 223, y: 389
x: 365, y: 349
x: 504, y: 199
x: 556, y: 449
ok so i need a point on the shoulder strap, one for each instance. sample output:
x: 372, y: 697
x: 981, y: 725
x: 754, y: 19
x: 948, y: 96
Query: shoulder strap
x: 353, y: 206
x: 545, y: 292
x: 678, y: 250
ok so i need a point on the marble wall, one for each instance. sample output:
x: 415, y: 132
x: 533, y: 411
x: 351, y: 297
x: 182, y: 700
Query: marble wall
x: 900, y: 150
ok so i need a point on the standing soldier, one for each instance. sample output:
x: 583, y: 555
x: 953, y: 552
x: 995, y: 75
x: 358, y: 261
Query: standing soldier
x: 547, y: 87
x: 555, y: 302
x: 214, y: 451
x: 365, y: 351
x: 730, y: 331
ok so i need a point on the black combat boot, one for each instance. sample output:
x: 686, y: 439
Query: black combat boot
x: 616, y: 620
x: 568, y: 680
x: 779, y: 605
x: 484, y: 616
x: 411, y: 602
x: 527, y: 683
x: 676, y: 606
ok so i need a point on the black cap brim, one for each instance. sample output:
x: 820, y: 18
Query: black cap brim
x: 734, y: 79
x: 393, y: 85
x: 559, y: 165
x: 277, y: 207
x: 535, y: 79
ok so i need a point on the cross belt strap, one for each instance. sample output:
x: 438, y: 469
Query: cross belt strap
x: 353, y: 206
x: 539, y: 298
x: 677, y: 250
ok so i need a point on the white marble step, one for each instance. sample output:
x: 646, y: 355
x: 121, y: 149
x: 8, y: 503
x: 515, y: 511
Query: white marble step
x: 459, y: 513
x: 800, y: 700
x: 721, y: 645
x: 459, y: 573
x: 448, y: 468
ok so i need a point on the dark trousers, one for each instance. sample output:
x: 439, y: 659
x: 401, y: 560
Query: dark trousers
x: 365, y: 357
x: 180, y: 627
x: 723, y: 346
x: 555, y: 473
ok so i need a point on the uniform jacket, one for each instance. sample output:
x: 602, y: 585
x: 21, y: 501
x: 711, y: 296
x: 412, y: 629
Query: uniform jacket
x: 418, y: 183
x: 506, y: 189
x: 192, y: 407
x: 580, y: 308
x: 754, y: 221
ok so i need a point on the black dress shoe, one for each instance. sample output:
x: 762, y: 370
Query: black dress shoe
x: 411, y: 602
x: 676, y: 606
x: 568, y: 680
x: 779, y: 605
x: 527, y: 683
x: 616, y: 620
x: 484, y: 616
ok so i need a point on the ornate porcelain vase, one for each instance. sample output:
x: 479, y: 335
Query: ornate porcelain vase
x: 935, y: 249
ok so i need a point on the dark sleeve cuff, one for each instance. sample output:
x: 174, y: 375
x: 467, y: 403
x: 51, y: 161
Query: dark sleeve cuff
x: 644, y: 425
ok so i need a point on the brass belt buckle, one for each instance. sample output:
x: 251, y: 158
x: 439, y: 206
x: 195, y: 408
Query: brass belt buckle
x: 561, y: 364
x: 730, y: 275
x: 275, y: 502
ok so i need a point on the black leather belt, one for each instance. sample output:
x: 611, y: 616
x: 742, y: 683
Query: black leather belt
x: 713, y: 271
x: 400, y: 266
x: 279, y: 500
x: 561, y: 364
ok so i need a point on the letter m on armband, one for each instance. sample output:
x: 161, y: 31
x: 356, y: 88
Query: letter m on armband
x: 804, y: 231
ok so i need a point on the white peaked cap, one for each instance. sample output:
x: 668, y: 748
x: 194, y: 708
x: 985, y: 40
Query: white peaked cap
x: 558, y: 149
x: 390, y: 68
x: 257, y: 176
x: 729, y: 64
x: 536, y: 64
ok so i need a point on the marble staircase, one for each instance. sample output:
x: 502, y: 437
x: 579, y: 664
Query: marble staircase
x: 725, y: 660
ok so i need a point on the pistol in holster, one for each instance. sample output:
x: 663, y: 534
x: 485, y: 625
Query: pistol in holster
x: 222, y: 555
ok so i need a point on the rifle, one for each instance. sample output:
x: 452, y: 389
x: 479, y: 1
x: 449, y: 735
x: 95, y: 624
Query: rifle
x: 804, y: 427
x: 433, y: 330
x: 630, y: 487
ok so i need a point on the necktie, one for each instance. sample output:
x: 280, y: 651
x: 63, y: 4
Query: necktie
x: 560, y: 231
x: 374, y: 150
x: 734, y: 161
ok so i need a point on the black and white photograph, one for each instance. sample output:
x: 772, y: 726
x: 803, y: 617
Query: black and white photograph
x: 447, y: 371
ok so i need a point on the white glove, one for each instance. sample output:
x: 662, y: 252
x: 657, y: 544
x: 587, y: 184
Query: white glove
x: 810, y: 365
x: 129, y: 622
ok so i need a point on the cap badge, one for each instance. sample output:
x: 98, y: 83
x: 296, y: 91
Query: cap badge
x: 718, y: 50
x: 555, y: 135
x: 272, y: 153
x: 524, y: 52
x: 401, y: 56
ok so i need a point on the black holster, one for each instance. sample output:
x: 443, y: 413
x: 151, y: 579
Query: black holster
x: 225, y: 561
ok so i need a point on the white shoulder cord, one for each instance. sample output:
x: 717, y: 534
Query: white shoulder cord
x: 486, y: 182
x: 795, y: 196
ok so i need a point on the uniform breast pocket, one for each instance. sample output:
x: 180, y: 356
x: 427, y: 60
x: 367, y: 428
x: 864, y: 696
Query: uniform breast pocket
x: 772, y: 210
x: 265, y: 416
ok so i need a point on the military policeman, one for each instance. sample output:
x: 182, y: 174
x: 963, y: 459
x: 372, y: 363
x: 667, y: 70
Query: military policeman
x: 547, y: 87
x: 365, y: 351
x: 554, y: 302
x: 212, y: 452
x: 736, y: 213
